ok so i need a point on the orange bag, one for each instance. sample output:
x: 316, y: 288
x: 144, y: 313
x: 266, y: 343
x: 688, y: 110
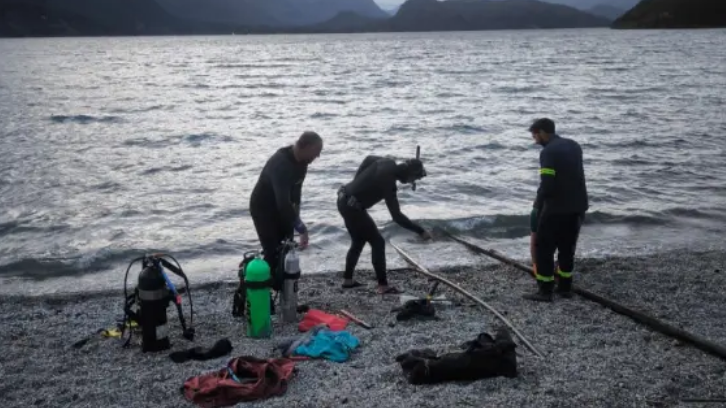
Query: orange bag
x: 315, y: 317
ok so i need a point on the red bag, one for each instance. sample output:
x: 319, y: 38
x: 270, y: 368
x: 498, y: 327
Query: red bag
x: 315, y: 317
x: 244, y: 379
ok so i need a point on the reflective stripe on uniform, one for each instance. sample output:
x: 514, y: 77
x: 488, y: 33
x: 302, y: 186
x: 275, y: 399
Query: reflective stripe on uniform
x: 547, y: 171
x: 542, y: 278
x: 565, y: 275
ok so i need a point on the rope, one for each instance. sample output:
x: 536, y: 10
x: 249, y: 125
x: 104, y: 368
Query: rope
x: 457, y: 288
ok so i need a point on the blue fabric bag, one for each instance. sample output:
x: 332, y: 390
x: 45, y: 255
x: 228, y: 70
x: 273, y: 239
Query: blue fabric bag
x: 332, y: 345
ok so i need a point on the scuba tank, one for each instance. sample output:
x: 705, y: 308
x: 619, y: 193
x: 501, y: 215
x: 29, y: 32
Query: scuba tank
x: 154, y: 291
x: 257, y: 284
x: 291, y: 275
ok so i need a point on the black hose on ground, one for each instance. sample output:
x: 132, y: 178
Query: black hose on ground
x: 642, y: 318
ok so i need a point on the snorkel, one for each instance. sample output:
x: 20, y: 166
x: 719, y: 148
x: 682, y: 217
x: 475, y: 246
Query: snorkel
x: 418, y: 155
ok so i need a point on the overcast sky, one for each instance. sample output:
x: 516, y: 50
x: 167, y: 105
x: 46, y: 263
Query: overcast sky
x: 388, y: 3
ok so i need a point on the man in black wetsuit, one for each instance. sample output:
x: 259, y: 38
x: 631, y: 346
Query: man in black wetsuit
x: 275, y: 200
x: 559, y: 210
x: 374, y: 181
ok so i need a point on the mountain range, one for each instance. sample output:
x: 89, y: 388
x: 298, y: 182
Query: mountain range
x: 161, y: 17
x: 20, y: 18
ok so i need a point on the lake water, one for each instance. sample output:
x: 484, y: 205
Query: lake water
x: 116, y: 146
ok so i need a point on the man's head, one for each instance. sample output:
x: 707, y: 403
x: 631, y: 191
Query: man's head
x: 308, y: 147
x: 542, y: 130
x: 411, y: 170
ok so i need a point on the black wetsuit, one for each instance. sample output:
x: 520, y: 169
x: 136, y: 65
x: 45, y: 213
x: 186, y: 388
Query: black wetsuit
x: 561, y: 205
x: 374, y: 181
x: 275, y: 202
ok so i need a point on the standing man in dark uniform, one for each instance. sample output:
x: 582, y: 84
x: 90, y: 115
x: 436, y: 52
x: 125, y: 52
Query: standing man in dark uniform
x: 275, y: 200
x: 559, y: 209
x: 374, y: 181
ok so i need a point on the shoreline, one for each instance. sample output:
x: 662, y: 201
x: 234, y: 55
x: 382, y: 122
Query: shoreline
x: 585, y: 262
x: 594, y: 357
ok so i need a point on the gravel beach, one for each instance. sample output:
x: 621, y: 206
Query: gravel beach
x: 595, y: 357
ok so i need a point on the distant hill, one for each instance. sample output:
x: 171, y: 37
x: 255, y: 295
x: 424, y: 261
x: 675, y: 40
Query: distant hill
x: 587, y: 5
x: 275, y: 13
x: 344, y: 22
x: 607, y: 11
x: 20, y: 18
x: 675, y: 14
x: 433, y: 15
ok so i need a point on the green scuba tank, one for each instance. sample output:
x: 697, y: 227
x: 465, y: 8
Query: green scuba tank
x: 257, y: 285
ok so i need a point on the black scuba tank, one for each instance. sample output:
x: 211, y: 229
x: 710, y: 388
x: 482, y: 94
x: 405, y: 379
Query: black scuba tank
x: 147, y: 305
x: 154, y: 298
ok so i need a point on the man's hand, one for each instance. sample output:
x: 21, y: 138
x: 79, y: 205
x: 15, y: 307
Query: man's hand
x: 426, y: 235
x: 304, y: 240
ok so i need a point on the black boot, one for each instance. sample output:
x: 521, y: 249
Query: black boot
x: 543, y: 294
x: 564, y: 287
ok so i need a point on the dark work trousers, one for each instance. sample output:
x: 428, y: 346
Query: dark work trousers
x: 557, y: 232
x: 362, y: 229
x: 271, y: 235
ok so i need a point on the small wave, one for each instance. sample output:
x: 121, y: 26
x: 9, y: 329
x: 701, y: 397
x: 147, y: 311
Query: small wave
x: 508, y: 226
x: 462, y: 128
x: 196, y: 86
x: 516, y: 89
x: 24, y: 226
x: 40, y: 268
x: 172, y: 169
x: 331, y: 101
x: 398, y: 129
x: 444, y: 110
x: 319, y: 115
x: 84, y: 119
x: 616, y: 69
x: 142, y: 110
x: 192, y: 139
x: 252, y: 66
x: 108, y: 186
x: 634, y: 160
x: 232, y: 86
x: 267, y: 85
x: 146, y: 142
x: 386, y: 83
x: 234, y: 213
x: 449, y: 95
x: 197, y: 139
x: 485, y: 146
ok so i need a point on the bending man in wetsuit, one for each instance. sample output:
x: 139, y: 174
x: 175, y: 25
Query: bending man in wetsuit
x: 559, y: 210
x: 374, y: 181
x: 275, y: 200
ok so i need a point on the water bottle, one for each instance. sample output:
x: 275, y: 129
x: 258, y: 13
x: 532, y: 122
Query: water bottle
x: 288, y: 298
x: 257, y: 285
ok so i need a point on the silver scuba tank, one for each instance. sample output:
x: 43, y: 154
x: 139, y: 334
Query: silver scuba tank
x: 288, y: 300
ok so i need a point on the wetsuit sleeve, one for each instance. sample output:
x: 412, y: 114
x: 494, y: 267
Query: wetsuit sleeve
x: 282, y: 185
x: 296, y: 194
x: 548, y: 174
x: 395, y: 209
x: 296, y: 198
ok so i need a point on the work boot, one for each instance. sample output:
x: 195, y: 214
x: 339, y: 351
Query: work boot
x: 564, y: 288
x: 543, y: 294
